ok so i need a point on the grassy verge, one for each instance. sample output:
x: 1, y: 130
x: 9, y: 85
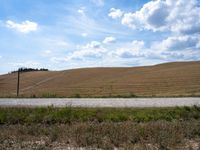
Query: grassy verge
x: 51, y: 115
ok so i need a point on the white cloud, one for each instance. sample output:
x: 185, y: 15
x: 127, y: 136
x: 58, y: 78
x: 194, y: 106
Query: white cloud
x: 88, y: 52
x: 115, y: 13
x: 109, y: 40
x: 177, y: 43
x: 84, y: 34
x: 92, y: 45
x: 24, y: 27
x: 181, y: 16
x: 130, y: 50
x: 132, y: 53
x: 47, y: 51
x: 138, y: 44
x: 98, y: 2
x: 151, y: 16
x: 81, y: 10
x: 175, y: 48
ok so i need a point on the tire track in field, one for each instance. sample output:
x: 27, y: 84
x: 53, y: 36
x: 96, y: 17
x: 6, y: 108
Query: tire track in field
x: 41, y: 82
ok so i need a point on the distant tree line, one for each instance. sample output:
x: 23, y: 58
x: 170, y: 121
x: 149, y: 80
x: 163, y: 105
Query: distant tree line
x: 29, y: 70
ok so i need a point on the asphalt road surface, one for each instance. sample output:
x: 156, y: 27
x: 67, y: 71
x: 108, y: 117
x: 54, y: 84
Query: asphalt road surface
x: 100, y: 102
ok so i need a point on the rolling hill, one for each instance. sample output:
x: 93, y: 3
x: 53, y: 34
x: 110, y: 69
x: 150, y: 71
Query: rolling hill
x: 169, y: 79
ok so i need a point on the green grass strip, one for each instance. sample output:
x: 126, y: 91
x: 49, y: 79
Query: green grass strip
x: 51, y: 115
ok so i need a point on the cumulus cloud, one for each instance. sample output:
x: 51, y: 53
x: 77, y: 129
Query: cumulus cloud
x: 181, y: 42
x: 171, y: 49
x: 92, y: 45
x: 151, y: 16
x: 86, y: 54
x: 115, y: 13
x: 92, y: 50
x: 175, y: 48
x: 130, y: 50
x: 181, y: 16
x: 109, y: 40
x: 24, y: 27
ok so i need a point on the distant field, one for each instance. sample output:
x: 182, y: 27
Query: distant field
x: 170, y: 79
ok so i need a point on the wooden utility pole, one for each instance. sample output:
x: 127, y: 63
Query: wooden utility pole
x: 18, y: 79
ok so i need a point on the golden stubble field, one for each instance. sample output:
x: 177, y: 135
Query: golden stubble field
x: 169, y: 79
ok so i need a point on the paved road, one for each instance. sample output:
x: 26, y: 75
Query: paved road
x: 101, y: 102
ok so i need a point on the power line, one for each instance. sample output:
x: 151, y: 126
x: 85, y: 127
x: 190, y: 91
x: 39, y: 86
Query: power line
x: 18, y: 80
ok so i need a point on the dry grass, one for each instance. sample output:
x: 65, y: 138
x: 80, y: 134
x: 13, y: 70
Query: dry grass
x: 106, y: 135
x: 171, y: 79
x: 100, y: 128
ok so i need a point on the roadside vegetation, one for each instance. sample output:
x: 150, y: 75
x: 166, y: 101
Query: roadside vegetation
x: 52, y: 115
x: 100, y: 128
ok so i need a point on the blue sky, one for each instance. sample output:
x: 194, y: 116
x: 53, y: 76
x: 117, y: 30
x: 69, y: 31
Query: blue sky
x: 68, y: 34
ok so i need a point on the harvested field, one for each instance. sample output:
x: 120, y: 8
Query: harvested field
x: 164, y: 80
